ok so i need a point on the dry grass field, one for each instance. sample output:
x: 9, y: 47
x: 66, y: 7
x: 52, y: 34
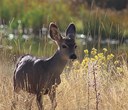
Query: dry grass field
x: 94, y: 84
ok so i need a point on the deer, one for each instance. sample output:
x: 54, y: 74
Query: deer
x: 40, y: 76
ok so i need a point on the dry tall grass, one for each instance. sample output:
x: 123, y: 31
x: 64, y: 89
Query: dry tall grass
x: 91, y: 88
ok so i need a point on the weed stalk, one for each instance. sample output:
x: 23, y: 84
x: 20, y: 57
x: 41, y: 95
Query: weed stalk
x: 95, y: 88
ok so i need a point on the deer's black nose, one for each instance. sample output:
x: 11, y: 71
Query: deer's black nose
x: 73, y: 56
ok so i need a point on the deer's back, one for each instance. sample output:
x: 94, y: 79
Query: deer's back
x: 30, y: 74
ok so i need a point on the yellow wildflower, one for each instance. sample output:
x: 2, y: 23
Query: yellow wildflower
x: 86, y: 51
x: 105, y: 50
x: 94, y: 51
x: 119, y: 69
x: 110, y: 57
x: 116, y: 62
x: 101, y: 56
x: 76, y: 63
x: 85, y: 61
x: 92, y: 59
x: 96, y: 57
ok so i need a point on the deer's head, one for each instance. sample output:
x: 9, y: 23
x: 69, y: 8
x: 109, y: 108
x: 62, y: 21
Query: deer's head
x: 66, y: 44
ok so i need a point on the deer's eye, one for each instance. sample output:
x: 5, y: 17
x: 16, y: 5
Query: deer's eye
x: 64, y: 46
x: 75, y: 46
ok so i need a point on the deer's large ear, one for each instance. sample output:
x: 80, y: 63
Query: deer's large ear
x: 71, y: 31
x: 54, y: 32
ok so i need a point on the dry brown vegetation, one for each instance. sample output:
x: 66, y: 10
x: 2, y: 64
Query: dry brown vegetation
x: 79, y: 90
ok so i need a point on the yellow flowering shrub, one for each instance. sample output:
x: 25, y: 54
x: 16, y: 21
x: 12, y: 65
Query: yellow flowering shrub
x: 103, y: 59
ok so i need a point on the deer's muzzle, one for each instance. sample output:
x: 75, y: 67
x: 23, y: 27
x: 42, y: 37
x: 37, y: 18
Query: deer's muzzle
x: 73, y: 56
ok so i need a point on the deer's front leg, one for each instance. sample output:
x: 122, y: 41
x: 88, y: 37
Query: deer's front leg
x: 39, y: 101
x: 52, y: 96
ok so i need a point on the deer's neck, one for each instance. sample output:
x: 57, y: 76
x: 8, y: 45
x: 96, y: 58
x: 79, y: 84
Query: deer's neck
x: 58, y: 62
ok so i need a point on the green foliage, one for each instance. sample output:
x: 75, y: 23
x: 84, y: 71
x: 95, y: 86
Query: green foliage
x: 100, y: 25
x: 34, y: 46
x: 35, y: 14
x: 33, y: 18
